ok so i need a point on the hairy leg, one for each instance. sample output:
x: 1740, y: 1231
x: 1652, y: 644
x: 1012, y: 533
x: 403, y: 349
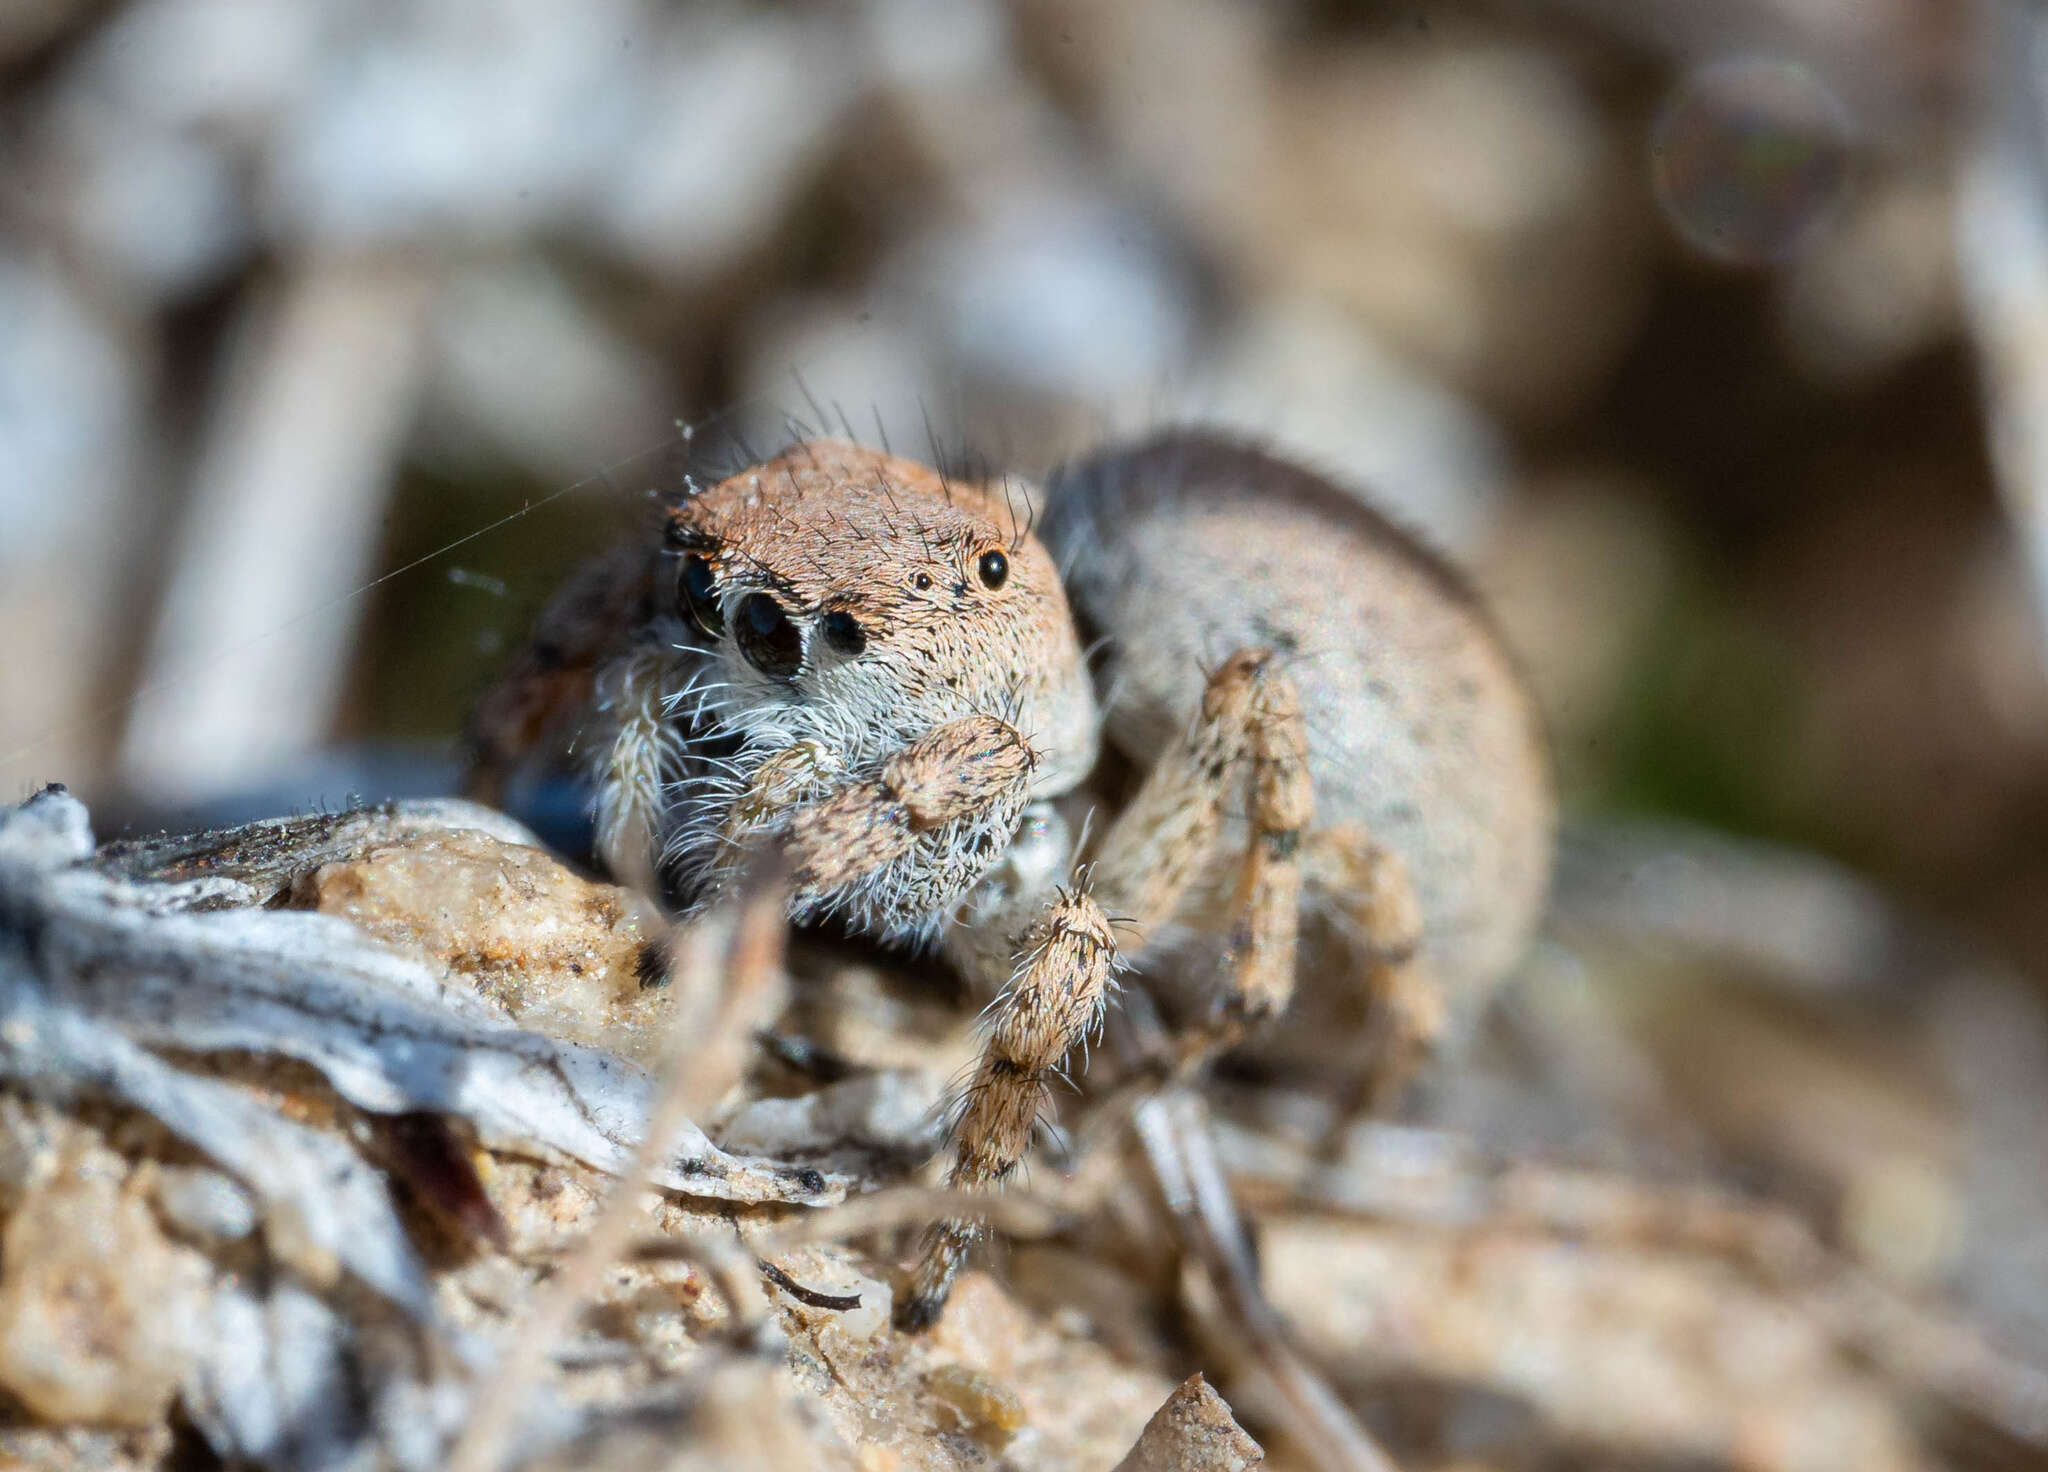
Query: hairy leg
x: 554, y: 675
x: 1368, y: 886
x: 1167, y: 833
x: 1249, y: 727
x: 1053, y: 1002
x: 840, y: 835
x: 636, y: 763
x: 1266, y: 907
x: 1249, y: 738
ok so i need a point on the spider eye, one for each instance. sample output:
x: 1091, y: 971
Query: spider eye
x: 700, y: 595
x: 844, y: 633
x: 994, y: 569
x: 767, y: 638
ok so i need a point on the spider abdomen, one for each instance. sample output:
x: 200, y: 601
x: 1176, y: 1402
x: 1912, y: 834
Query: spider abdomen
x: 1181, y: 550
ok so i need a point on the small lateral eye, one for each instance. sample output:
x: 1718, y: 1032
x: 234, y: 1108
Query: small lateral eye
x: 700, y: 595
x: 767, y: 638
x: 843, y: 632
x: 994, y: 569
x: 922, y: 582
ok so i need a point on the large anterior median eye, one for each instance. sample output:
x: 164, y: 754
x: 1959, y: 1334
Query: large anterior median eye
x: 700, y: 595
x: 766, y: 637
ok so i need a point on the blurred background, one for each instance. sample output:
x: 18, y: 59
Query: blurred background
x: 1665, y: 318
x: 1713, y: 336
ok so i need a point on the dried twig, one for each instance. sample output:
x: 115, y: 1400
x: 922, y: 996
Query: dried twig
x: 1174, y: 1130
x: 717, y: 1011
x: 1027, y: 1214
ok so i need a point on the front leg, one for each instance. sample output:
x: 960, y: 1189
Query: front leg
x: 1054, y: 1001
x: 893, y: 853
x: 638, y: 752
x: 1248, y: 730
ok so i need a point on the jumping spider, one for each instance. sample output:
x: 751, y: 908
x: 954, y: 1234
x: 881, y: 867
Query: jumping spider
x: 1332, y: 769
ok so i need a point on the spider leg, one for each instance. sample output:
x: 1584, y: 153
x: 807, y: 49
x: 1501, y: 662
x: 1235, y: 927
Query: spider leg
x: 636, y: 763
x: 1254, y: 717
x: 555, y: 674
x: 972, y: 770
x: 1249, y: 737
x: 1151, y: 855
x: 1368, y: 885
x: 1054, y: 1001
x: 1164, y: 837
x: 1266, y: 908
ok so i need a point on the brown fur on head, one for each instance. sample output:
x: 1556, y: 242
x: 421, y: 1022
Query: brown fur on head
x: 851, y: 597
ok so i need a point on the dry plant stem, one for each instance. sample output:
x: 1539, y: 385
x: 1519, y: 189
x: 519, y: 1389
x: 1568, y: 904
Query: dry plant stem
x: 747, y: 995
x: 1024, y: 1214
x: 1173, y: 1129
x: 492, y: 1423
x: 1944, y: 1359
x: 705, y: 1012
x: 1028, y: 1215
x: 733, y: 1270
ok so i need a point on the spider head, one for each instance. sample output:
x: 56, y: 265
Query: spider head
x: 842, y: 594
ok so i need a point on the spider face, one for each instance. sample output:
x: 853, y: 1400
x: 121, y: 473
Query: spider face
x: 843, y: 595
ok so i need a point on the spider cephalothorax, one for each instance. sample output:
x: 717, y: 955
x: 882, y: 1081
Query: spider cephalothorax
x: 825, y: 611
x: 879, y: 599
x: 875, y: 667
